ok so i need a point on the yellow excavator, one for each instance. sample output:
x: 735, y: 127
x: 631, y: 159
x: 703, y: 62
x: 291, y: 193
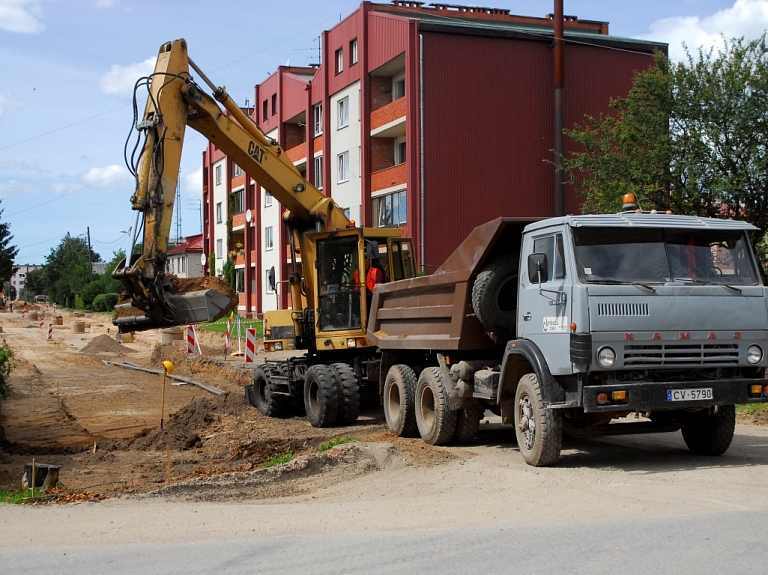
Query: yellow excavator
x: 327, y: 278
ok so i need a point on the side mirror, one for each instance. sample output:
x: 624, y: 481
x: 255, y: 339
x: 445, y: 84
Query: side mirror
x: 537, y: 268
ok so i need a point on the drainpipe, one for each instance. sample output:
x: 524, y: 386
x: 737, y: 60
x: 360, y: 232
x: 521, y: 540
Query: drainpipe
x: 559, y: 82
x: 422, y: 198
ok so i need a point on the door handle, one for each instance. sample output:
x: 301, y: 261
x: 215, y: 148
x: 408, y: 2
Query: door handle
x: 527, y: 316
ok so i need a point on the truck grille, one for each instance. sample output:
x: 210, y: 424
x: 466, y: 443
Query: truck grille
x: 722, y: 354
x: 622, y: 309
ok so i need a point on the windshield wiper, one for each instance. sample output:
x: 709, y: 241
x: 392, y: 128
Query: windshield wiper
x: 621, y: 283
x: 708, y: 283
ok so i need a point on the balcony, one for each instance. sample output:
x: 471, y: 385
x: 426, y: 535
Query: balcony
x: 389, y: 121
x: 389, y: 177
x: 238, y: 221
x: 298, y: 154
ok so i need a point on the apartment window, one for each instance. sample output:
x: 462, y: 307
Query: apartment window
x: 319, y: 172
x: 219, y: 249
x: 353, y: 52
x: 240, y: 280
x: 400, y: 152
x: 268, y: 238
x: 343, y: 167
x: 265, y: 110
x: 267, y: 287
x: 390, y: 210
x: 218, y: 175
x: 398, y: 89
x: 267, y: 199
x: 339, y: 60
x: 237, y: 201
x: 218, y: 213
x: 343, y: 112
x: 274, y: 104
x: 317, y: 116
x: 236, y: 170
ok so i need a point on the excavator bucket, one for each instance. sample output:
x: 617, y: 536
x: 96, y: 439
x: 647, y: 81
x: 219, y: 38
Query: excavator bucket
x: 186, y: 301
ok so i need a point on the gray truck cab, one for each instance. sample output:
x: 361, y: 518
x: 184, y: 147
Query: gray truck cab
x: 669, y: 307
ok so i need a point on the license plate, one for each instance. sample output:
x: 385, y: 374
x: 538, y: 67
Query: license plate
x: 689, y: 394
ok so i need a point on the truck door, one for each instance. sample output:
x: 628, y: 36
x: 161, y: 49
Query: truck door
x: 544, y: 309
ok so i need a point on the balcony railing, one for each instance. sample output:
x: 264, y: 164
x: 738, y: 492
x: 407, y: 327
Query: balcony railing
x: 389, y: 177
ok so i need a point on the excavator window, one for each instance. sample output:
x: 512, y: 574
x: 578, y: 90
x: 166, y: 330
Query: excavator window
x: 338, y: 295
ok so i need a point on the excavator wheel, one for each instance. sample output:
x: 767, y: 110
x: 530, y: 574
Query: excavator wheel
x: 321, y: 396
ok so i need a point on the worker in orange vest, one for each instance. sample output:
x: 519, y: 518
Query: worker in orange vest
x: 373, y: 275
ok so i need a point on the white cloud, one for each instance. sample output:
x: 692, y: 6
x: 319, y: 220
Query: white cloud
x: 106, y: 3
x: 108, y: 177
x: 120, y: 80
x: 192, y: 184
x: 7, y: 103
x: 21, y: 16
x: 747, y: 18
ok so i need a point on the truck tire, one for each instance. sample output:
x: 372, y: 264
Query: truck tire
x: 494, y: 296
x: 434, y: 418
x: 399, y: 397
x: 321, y: 396
x: 467, y: 424
x: 266, y: 401
x: 539, y: 431
x: 710, y: 433
x: 349, y: 393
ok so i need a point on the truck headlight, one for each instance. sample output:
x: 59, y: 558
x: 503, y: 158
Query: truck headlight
x: 754, y: 354
x: 606, y: 357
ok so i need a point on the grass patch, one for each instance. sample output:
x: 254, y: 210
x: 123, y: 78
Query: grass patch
x: 220, y: 326
x: 278, y: 460
x: 336, y: 441
x: 751, y: 408
x: 18, y: 495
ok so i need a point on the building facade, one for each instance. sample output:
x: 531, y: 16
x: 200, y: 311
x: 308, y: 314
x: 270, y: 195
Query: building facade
x: 185, y: 260
x: 432, y: 118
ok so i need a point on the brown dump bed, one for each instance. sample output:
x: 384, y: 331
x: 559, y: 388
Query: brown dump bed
x: 435, y: 312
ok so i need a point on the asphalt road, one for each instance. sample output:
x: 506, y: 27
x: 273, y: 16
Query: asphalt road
x: 621, y: 505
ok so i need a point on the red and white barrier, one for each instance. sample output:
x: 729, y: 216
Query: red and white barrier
x: 250, y: 345
x: 42, y: 323
x: 50, y: 331
x: 191, y: 340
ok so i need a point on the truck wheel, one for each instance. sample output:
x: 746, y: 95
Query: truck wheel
x: 349, y: 392
x: 539, y: 430
x: 494, y: 295
x: 710, y: 433
x: 399, y: 392
x: 266, y: 401
x: 467, y: 424
x: 321, y: 396
x: 434, y: 418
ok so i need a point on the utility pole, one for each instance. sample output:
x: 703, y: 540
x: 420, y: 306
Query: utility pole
x: 90, y: 265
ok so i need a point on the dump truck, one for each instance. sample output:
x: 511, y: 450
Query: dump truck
x: 329, y: 299
x: 588, y: 325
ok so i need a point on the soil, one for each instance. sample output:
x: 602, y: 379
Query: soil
x: 115, y: 430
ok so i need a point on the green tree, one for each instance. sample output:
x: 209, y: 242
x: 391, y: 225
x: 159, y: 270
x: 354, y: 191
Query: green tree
x: 66, y: 270
x: 7, y: 251
x: 691, y: 137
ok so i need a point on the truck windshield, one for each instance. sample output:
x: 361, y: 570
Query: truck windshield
x: 656, y: 255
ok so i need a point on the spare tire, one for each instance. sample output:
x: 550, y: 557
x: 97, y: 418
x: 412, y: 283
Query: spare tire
x: 494, y: 295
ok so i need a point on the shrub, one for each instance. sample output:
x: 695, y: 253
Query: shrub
x: 105, y: 301
x: 6, y: 366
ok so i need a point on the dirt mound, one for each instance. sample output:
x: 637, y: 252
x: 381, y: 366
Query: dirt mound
x: 105, y: 344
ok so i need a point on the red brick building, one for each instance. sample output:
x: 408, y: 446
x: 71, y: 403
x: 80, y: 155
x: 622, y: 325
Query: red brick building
x: 434, y: 118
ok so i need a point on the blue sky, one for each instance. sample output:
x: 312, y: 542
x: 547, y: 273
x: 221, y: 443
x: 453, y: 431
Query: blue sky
x: 67, y: 70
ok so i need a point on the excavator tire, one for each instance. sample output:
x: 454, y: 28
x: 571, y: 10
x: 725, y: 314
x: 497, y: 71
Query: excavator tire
x: 349, y: 392
x: 321, y: 396
x: 262, y: 396
x: 494, y: 296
